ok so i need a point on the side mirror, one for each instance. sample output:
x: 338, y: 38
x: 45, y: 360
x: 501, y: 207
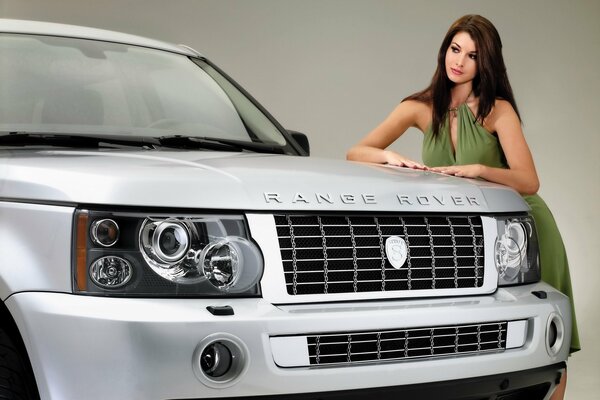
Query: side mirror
x: 302, y: 141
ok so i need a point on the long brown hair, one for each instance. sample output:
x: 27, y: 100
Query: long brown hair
x: 490, y: 83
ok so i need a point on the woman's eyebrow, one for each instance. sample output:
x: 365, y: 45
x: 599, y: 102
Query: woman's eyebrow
x: 460, y: 48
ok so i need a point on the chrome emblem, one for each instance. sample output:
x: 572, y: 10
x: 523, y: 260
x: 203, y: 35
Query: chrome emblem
x: 396, y: 251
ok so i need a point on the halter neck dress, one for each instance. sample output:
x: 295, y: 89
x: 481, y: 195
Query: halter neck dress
x: 476, y: 145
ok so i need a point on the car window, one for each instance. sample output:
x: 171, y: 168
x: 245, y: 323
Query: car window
x: 66, y: 85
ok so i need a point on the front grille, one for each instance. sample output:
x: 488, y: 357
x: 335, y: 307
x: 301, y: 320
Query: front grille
x: 360, y: 347
x: 337, y: 254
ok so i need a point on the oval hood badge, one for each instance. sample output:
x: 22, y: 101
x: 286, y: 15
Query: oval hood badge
x: 396, y: 251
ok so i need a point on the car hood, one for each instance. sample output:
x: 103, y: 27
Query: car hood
x: 238, y: 181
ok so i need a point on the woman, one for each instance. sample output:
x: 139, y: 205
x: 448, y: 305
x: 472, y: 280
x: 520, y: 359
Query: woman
x: 472, y: 128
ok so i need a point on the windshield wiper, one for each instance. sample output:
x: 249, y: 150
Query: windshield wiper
x: 196, y: 142
x: 74, y: 140
x: 98, y: 141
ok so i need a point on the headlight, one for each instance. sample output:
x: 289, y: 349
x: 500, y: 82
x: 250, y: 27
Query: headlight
x: 164, y: 255
x: 166, y: 245
x: 516, y: 251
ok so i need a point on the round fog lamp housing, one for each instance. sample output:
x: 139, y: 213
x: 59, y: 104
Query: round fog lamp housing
x: 220, y: 360
x: 216, y: 360
x: 105, y: 232
x: 555, y: 334
x: 110, y: 272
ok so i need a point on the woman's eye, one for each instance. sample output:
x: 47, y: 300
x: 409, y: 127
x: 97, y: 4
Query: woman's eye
x: 473, y: 56
x: 455, y: 49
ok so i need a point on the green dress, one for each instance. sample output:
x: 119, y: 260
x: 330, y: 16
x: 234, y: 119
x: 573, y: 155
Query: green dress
x: 475, y: 145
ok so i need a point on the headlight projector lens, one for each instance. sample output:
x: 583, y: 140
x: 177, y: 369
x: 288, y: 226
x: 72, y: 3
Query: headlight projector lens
x: 167, y: 248
x: 170, y: 241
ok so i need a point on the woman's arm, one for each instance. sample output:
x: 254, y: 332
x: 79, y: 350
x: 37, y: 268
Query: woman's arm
x: 521, y: 174
x: 372, y: 148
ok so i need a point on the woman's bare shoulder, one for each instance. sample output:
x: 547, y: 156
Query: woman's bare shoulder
x: 503, y: 106
x: 420, y: 111
x: 502, y: 110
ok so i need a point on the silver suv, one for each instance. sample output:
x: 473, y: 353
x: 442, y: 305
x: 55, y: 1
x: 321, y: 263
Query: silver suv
x: 163, y: 237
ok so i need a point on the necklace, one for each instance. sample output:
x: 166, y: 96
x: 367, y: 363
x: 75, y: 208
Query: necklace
x: 454, y: 110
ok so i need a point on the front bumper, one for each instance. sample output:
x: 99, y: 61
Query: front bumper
x: 530, y: 385
x: 117, y: 348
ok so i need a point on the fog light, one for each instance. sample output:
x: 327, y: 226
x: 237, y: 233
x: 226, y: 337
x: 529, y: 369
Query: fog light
x: 110, y: 272
x: 220, y: 360
x: 555, y: 334
x: 215, y: 360
x: 105, y: 232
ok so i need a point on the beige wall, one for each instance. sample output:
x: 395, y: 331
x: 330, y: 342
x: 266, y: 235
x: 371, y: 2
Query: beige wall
x: 334, y: 69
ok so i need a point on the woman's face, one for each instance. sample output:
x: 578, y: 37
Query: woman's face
x: 461, y: 59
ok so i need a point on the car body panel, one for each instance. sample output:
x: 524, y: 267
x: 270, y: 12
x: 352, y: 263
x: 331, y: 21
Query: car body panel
x: 249, y: 181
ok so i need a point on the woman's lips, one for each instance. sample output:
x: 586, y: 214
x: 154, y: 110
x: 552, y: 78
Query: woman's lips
x: 456, y: 71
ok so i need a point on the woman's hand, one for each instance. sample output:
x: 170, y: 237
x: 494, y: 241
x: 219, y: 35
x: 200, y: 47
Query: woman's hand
x: 393, y: 158
x: 464, y: 171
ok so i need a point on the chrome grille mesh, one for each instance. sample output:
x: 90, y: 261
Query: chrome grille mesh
x: 360, y: 347
x: 346, y: 254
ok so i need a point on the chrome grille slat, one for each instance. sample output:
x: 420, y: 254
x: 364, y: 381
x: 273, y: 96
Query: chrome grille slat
x: 428, y: 337
x: 349, y: 348
x: 376, y: 247
x: 371, y: 226
x: 442, y: 252
x: 466, y: 352
x: 325, y: 262
x: 382, y: 254
x: 375, y: 269
x: 373, y: 281
x: 294, y: 259
x: 409, y: 256
x: 367, y: 236
x: 354, y: 257
x: 370, y: 258
x: 432, y: 252
x: 390, y: 331
x: 475, y: 247
x: 454, y: 255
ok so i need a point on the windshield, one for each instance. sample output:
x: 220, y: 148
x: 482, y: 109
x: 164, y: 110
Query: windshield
x: 77, y: 86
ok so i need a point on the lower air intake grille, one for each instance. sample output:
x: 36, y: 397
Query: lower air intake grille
x: 347, y: 254
x: 360, y: 347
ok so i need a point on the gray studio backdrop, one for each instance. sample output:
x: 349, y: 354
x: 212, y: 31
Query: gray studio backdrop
x: 334, y: 69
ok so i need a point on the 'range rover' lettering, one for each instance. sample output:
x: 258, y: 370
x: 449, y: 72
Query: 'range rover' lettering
x: 350, y: 198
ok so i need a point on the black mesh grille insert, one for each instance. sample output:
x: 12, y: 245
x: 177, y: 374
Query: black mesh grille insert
x: 337, y: 254
x: 357, y: 347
